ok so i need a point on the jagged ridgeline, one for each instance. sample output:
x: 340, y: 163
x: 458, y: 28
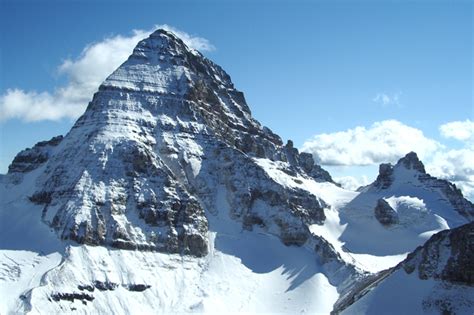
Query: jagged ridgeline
x: 162, y: 137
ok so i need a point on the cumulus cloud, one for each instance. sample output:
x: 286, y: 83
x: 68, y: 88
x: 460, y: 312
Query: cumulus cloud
x: 386, y: 99
x: 33, y: 106
x: 389, y: 140
x: 456, y: 166
x: 83, y: 76
x: 192, y: 41
x: 459, y: 130
x: 384, y: 141
x: 352, y: 182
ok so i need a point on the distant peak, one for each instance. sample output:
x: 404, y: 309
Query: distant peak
x: 411, y: 161
x: 384, y: 179
x: 386, y: 170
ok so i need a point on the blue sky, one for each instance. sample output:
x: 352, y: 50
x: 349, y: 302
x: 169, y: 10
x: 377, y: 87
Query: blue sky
x: 306, y: 68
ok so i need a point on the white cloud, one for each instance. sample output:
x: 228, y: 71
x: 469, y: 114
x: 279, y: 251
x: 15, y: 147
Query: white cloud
x: 192, y: 41
x: 352, y: 182
x: 84, y: 75
x: 33, y: 106
x: 386, y: 99
x: 384, y: 141
x: 459, y: 130
x: 389, y: 140
x: 456, y: 166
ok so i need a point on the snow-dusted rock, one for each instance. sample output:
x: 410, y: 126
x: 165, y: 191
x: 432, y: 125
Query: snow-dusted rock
x: 384, y: 179
x: 409, y: 169
x: 30, y: 159
x: 447, y: 255
x: 385, y: 214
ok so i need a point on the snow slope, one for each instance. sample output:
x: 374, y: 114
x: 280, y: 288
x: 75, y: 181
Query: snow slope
x: 353, y: 231
x: 28, y: 248
x: 437, y: 278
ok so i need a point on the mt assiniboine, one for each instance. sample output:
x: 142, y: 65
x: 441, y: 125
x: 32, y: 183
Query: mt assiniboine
x: 167, y: 197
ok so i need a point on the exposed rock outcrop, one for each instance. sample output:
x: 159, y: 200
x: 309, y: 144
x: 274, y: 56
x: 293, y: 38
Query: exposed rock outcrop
x: 448, y: 256
x: 385, y: 214
x: 84, y: 297
x: 385, y: 178
x: 30, y: 159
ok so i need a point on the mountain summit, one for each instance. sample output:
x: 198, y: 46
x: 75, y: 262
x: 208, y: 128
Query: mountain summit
x: 410, y: 171
x: 405, y: 204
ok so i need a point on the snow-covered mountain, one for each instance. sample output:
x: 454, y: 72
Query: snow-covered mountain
x: 402, y: 209
x: 168, y: 197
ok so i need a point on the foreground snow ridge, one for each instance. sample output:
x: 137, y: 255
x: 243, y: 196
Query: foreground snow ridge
x: 168, y: 197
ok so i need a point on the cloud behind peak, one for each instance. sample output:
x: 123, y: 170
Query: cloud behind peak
x: 384, y: 141
x: 83, y: 75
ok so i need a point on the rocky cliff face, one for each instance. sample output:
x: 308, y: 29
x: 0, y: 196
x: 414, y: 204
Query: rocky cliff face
x: 31, y: 158
x: 143, y: 166
x: 447, y: 256
x: 385, y: 214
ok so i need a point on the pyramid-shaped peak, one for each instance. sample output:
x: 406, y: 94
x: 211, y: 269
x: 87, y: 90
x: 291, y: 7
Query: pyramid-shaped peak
x: 163, y: 63
x: 411, y: 161
x: 164, y: 133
